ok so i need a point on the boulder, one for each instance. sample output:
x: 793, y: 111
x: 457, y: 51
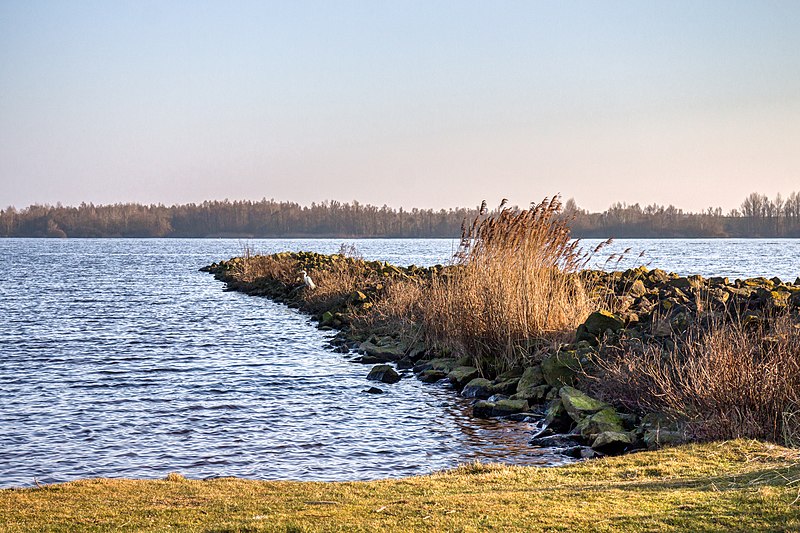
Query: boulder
x: 461, y: 375
x: 445, y: 364
x: 374, y: 390
x: 531, y: 377
x: 478, y: 388
x: 612, y: 442
x: 556, y: 416
x: 637, y: 288
x: 578, y: 404
x: 431, y: 376
x: 391, y: 352
x: 602, y: 421
x: 653, y: 438
x: 554, y: 441
x: 559, y: 369
x: 383, y: 373
x: 599, y: 321
x: 515, y: 372
x: 532, y: 394
x: 508, y: 407
x: 794, y: 299
x: 405, y: 363
x: 371, y: 359
x: 482, y: 409
x: 507, y: 386
x: 680, y: 283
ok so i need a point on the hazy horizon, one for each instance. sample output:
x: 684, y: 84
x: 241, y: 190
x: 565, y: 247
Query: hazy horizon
x: 412, y: 104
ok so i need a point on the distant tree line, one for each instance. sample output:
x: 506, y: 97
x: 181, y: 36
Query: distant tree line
x: 758, y: 216
x: 265, y: 218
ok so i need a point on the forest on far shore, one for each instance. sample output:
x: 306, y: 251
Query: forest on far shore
x: 758, y: 216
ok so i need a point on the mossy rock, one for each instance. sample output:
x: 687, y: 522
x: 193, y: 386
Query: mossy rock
x: 327, y: 318
x: 388, y: 353
x: 532, y: 394
x: 560, y: 369
x: 654, y: 438
x: 601, y: 421
x: 596, y: 324
x: 431, y: 376
x: 515, y: 372
x: 556, y: 416
x: 483, y: 409
x: 612, y: 442
x: 507, y: 386
x: 384, y: 374
x: 478, y: 388
x: 445, y: 364
x: 578, y: 404
x: 531, y: 377
x: 461, y: 375
x: 509, y: 407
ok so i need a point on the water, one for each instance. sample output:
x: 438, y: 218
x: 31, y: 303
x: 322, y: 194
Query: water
x: 119, y: 359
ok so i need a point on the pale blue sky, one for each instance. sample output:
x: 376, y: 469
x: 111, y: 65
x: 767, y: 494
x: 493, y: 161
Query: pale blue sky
x: 413, y: 104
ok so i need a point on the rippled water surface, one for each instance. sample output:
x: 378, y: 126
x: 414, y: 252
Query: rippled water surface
x: 119, y: 359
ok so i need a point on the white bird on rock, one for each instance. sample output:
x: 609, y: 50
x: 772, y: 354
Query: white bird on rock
x: 307, y: 280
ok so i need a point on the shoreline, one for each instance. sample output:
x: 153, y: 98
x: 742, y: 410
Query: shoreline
x: 553, y: 391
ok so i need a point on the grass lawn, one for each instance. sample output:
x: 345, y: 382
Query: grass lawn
x: 736, y: 485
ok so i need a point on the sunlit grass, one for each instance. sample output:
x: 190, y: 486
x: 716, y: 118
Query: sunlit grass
x: 736, y: 485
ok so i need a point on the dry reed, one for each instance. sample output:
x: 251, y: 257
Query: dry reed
x: 514, y: 285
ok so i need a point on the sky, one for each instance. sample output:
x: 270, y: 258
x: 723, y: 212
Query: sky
x: 430, y: 104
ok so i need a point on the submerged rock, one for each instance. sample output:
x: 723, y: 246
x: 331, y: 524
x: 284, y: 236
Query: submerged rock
x: 383, y: 373
x: 482, y: 409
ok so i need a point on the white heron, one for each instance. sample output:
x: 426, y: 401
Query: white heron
x: 307, y: 280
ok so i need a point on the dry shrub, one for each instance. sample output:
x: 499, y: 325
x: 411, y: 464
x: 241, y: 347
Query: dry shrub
x: 273, y: 267
x: 514, y: 285
x: 726, y: 380
x: 397, y: 310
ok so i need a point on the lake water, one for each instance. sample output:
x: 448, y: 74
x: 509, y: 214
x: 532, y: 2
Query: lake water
x: 119, y: 359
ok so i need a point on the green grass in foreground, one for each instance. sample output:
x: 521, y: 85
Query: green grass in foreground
x: 737, y: 485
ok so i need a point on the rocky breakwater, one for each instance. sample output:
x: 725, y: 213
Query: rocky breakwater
x: 553, y: 386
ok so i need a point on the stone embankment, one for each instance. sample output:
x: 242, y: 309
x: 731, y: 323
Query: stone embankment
x: 650, y: 307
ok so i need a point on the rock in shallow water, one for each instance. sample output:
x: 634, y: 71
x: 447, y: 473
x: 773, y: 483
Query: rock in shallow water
x: 383, y: 373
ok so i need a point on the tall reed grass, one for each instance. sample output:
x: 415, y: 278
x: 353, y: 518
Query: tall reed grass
x: 727, y: 380
x: 514, y: 286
